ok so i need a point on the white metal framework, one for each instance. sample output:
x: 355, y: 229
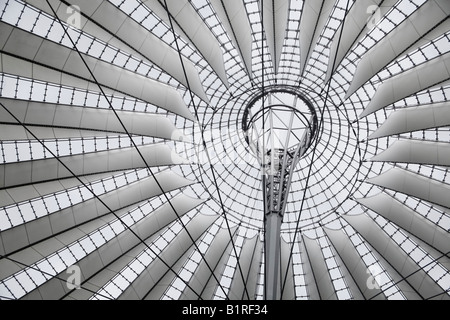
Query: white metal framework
x: 125, y: 172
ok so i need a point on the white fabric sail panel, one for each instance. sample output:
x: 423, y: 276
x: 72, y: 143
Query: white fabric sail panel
x: 105, y: 120
x: 105, y: 274
x: 147, y: 229
x: 430, y: 36
x: 122, y: 32
x: 254, y: 268
x: 422, y: 283
x: 348, y: 279
x: 33, y: 171
x: 252, y: 280
x: 159, y: 219
x: 414, y: 151
x: 6, y: 33
x: 248, y: 258
x: 414, y: 119
x: 414, y: 185
x: 202, y: 274
x: 275, y: 15
x: 442, y: 258
x: 12, y: 132
x: 409, y: 292
x: 103, y: 260
x: 49, y: 223
x: 33, y: 48
x: 287, y: 272
x: 409, y: 82
x: 29, y: 192
x: 356, y: 26
x: 314, y: 16
x: 310, y: 282
x: 46, y: 247
x: 129, y: 34
x: 211, y: 288
x: 165, y: 215
x: 37, y: 251
x: 366, y: 67
x: 181, y: 244
x: 234, y: 18
x: 431, y: 14
x: 65, y: 219
x: 64, y: 61
x: 19, y: 67
x: 321, y: 274
x: 187, y: 21
x: 353, y: 264
x: 409, y: 220
x: 156, y: 292
x: 25, y: 44
x: 50, y: 290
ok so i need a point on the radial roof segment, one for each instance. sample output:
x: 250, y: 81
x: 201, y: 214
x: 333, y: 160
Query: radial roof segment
x: 409, y: 82
x: 185, y: 20
x: 127, y: 169
x: 234, y: 18
x: 412, y: 184
x: 315, y: 15
x: 411, y: 151
x: 275, y: 15
x: 106, y: 22
x: 408, y: 219
x: 414, y: 119
x: 87, y: 120
x: 429, y: 21
x: 355, y: 28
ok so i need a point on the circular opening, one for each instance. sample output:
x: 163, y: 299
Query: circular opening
x: 279, y: 121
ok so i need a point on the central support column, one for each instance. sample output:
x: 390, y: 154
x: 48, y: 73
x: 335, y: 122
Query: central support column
x: 276, y: 177
x: 272, y: 256
x: 279, y: 127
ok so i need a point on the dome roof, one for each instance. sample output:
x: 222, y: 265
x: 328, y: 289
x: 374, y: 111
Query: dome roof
x: 125, y: 170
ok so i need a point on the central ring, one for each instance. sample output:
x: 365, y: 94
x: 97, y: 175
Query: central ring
x: 279, y: 120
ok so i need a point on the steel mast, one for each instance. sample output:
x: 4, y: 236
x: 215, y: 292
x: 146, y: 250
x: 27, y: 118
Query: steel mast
x: 279, y: 127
